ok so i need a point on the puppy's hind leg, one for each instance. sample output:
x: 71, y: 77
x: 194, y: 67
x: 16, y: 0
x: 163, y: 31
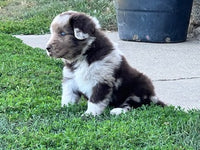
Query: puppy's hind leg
x: 132, y: 101
x: 118, y: 111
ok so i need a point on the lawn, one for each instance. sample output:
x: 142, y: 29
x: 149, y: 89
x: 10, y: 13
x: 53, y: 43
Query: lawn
x: 31, y: 116
x: 35, y: 16
x: 30, y: 94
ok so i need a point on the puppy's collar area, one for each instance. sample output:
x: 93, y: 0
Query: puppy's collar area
x: 71, y: 65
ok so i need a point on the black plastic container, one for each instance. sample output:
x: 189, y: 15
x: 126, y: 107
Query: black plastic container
x: 153, y: 20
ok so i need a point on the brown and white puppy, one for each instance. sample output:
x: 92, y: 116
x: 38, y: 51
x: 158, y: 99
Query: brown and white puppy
x: 95, y: 68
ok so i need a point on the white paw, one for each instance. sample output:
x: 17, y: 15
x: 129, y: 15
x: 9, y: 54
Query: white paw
x: 118, y: 111
x: 64, y: 105
x: 88, y: 113
x: 67, y: 104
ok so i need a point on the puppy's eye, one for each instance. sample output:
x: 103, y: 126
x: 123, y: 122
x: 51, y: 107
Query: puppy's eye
x: 63, y: 33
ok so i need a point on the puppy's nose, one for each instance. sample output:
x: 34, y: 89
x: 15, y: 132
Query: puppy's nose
x: 48, y: 48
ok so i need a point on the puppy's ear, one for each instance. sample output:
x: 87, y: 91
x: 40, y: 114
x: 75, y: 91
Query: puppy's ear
x: 83, y: 26
x: 80, y: 35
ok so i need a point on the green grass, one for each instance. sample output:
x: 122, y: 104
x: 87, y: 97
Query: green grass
x: 35, y: 16
x: 30, y: 93
x: 31, y: 116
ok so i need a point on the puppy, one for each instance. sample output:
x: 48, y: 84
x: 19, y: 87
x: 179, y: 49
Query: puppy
x: 95, y: 68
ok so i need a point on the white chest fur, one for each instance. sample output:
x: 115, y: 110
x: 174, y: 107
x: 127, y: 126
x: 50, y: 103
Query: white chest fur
x: 84, y: 78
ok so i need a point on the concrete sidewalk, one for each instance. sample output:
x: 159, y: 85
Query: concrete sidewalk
x: 174, y: 68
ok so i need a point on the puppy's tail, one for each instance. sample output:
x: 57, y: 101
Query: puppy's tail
x: 157, y: 101
x: 160, y: 103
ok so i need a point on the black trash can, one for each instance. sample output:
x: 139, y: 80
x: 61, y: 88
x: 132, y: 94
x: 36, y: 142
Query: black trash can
x: 153, y: 20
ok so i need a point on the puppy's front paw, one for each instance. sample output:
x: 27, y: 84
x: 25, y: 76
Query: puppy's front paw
x: 66, y: 104
x: 94, y: 109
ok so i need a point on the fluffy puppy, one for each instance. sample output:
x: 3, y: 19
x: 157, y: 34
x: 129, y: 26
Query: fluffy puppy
x: 95, y: 68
